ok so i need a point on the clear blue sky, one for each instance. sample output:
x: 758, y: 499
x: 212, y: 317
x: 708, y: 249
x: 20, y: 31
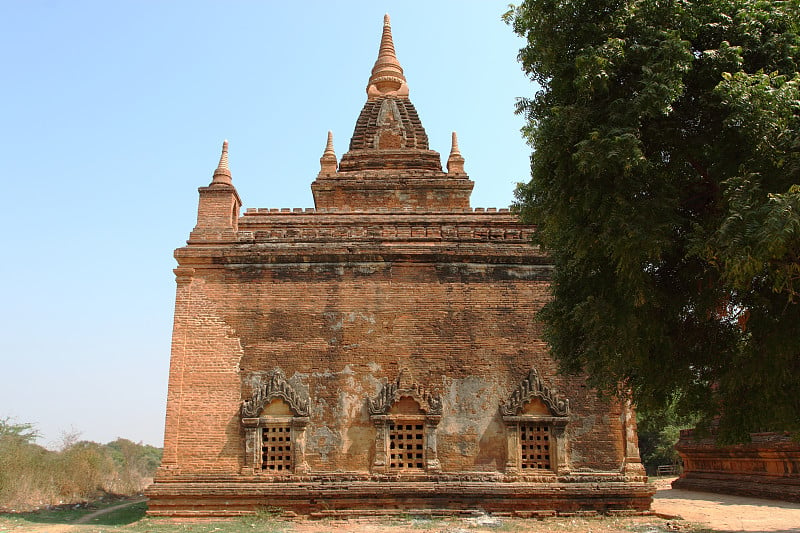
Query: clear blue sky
x: 112, y: 113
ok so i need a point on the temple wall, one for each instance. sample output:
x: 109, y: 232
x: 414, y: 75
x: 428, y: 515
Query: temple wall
x: 202, y: 420
x: 340, y: 331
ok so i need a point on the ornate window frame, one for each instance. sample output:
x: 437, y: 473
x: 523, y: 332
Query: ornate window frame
x: 275, y: 386
x: 379, y: 409
x: 530, y: 388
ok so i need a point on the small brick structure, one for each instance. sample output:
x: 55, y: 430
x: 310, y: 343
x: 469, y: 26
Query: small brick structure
x: 378, y: 353
x: 766, y: 467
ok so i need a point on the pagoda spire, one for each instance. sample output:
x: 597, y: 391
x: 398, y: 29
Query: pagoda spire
x: 218, y: 208
x: 387, y: 78
x: 327, y: 162
x: 222, y: 175
x: 455, y: 163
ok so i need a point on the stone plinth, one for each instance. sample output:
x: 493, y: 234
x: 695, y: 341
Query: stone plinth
x: 767, y: 467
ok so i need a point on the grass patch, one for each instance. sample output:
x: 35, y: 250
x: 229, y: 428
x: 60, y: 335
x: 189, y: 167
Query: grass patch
x: 249, y: 524
x: 120, y: 517
x: 50, y: 516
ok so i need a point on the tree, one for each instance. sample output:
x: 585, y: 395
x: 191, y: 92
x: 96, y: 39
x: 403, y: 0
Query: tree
x: 658, y: 433
x: 664, y: 183
x: 23, y: 432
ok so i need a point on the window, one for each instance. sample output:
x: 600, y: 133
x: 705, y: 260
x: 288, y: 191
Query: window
x: 407, y: 445
x: 535, y: 418
x: 274, y: 421
x: 534, y: 440
x: 276, y: 447
x: 405, y: 417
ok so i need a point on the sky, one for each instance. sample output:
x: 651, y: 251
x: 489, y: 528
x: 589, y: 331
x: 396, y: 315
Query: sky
x: 112, y: 114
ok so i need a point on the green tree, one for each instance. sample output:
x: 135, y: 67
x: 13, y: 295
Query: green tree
x: 659, y: 431
x: 136, y: 463
x: 665, y: 171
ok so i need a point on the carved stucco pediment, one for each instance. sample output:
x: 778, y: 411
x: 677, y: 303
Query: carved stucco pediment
x: 431, y: 404
x: 391, y: 133
x: 532, y: 387
x: 276, y: 386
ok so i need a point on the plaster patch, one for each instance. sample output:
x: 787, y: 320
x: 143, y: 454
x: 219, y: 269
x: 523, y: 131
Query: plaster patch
x: 324, y: 441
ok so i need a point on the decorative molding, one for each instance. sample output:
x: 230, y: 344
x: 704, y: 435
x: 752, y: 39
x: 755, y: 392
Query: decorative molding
x: 533, y: 387
x: 276, y: 387
x: 301, y: 232
x: 431, y: 404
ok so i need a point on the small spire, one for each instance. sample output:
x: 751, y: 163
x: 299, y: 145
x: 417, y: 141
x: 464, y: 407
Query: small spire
x: 387, y: 77
x: 454, y: 145
x: 222, y: 175
x: 327, y: 162
x: 455, y: 163
x: 329, y: 145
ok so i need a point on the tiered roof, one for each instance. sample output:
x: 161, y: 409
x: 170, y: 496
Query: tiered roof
x: 389, y: 163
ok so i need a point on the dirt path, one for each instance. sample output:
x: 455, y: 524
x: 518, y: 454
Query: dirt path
x: 727, y: 513
x: 85, y: 519
x: 74, y: 527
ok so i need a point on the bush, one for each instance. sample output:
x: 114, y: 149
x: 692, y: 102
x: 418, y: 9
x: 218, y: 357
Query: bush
x: 32, y: 476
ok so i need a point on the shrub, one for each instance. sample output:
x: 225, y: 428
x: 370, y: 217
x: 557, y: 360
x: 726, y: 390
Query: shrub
x: 32, y: 476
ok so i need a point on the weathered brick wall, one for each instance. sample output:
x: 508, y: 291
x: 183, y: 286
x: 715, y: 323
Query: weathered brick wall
x: 201, y: 434
x: 340, y: 318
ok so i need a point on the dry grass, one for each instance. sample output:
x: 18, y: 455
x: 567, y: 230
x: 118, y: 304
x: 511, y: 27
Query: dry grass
x: 33, y: 477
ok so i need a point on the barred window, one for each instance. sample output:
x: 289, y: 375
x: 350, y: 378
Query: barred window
x: 407, y: 445
x: 535, y: 441
x: 276, y: 447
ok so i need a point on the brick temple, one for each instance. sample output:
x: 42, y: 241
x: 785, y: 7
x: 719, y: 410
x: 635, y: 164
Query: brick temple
x: 378, y: 353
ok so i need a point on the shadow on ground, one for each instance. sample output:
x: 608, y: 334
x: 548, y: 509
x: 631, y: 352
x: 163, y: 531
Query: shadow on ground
x: 126, y: 513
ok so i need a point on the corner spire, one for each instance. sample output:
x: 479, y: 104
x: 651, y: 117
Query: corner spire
x: 387, y: 78
x: 455, y: 163
x: 327, y: 162
x: 222, y: 175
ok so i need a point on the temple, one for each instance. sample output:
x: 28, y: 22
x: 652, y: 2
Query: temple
x: 378, y: 353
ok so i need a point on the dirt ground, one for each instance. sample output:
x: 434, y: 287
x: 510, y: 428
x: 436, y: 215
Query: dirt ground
x: 726, y: 513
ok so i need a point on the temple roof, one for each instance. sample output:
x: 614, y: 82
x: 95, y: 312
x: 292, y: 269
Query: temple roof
x: 388, y: 122
x: 389, y: 162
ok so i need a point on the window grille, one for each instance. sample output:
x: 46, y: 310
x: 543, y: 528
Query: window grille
x: 276, y: 448
x: 407, y: 445
x: 535, y: 446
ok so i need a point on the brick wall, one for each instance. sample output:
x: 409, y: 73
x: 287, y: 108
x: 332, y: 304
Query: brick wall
x: 341, y: 311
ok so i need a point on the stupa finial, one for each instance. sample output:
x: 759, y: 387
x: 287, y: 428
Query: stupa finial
x: 222, y: 175
x: 387, y: 77
x: 327, y: 162
x: 455, y: 163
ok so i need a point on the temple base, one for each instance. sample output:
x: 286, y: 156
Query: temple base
x: 767, y: 467
x: 320, y: 499
x: 754, y: 486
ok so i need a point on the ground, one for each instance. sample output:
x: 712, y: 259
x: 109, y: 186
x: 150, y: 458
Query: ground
x: 676, y: 510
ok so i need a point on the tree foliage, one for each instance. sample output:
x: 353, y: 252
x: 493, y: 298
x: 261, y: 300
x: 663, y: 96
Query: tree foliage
x: 664, y: 183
